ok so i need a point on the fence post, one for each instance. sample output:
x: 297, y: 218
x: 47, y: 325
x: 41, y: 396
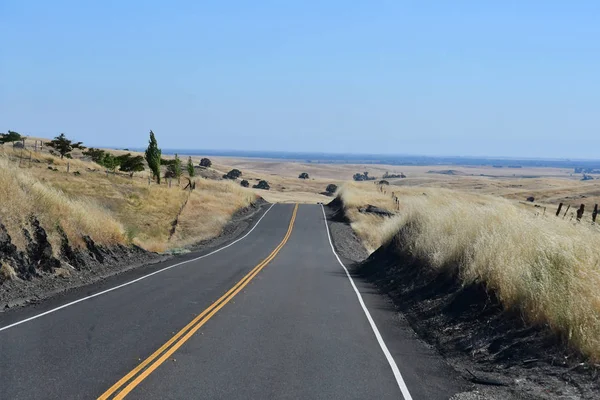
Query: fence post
x: 558, y: 211
x: 580, y: 212
x: 595, y: 213
x: 569, y: 206
x: 68, y: 166
x: 148, y: 180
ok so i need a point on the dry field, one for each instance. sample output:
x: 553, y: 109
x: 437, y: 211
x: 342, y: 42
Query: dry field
x: 546, y: 267
x: 549, y: 186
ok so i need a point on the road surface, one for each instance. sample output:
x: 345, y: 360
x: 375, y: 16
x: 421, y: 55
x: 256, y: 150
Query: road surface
x: 272, y: 316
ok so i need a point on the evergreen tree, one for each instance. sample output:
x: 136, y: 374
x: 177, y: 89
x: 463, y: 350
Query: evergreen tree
x: 9, y: 137
x: 63, y: 145
x: 190, y: 167
x: 153, y: 154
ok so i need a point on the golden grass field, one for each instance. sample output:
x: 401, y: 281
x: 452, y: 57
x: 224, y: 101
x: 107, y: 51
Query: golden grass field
x: 546, y: 267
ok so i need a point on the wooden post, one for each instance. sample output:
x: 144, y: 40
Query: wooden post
x: 569, y: 206
x: 68, y: 166
x: 580, y: 212
x: 558, y: 211
x: 595, y: 213
x: 35, y: 145
x: 148, y: 180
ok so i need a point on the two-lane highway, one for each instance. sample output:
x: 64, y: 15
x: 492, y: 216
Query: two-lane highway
x: 274, y: 315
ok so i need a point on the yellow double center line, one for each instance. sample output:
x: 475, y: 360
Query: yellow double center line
x: 165, y: 351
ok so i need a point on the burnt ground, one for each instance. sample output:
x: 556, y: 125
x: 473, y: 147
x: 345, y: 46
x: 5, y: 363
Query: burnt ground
x: 493, y: 349
x: 43, y: 272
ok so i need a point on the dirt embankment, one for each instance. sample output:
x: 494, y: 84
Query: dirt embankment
x: 493, y: 348
x: 40, y: 271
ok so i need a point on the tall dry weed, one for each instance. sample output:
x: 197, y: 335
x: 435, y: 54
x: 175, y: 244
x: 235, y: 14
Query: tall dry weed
x: 547, y: 267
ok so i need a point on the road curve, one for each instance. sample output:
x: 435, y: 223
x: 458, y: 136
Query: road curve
x: 272, y: 316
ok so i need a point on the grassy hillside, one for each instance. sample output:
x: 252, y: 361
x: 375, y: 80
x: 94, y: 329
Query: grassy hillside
x: 111, y: 208
x: 545, y: 267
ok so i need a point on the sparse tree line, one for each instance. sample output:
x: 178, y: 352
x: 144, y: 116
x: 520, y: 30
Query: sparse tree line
x: 128, y: 163
x: 62, y: 147
x: 363, y: 177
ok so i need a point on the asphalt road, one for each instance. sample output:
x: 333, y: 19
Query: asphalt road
x: 273, y: 316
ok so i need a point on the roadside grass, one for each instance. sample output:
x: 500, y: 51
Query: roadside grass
x: 208, y: 210
x: 110, y: 208
x: 23, y: 196
x: 545, y: 267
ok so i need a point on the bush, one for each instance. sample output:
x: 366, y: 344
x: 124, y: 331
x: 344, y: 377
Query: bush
x: 205, y: 162
x: 96, y: 155
x: 303, y: 175
x: 363, y: 177
x: 233, y: 174
x: 245, y: 183
x: 262, y: 185
x: 331, y: 188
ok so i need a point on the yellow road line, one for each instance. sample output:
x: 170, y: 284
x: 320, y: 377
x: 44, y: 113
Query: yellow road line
x: 174, y: 343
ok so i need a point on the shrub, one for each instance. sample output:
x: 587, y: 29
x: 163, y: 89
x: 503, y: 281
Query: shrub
x: 331, y: 188
x: 110, y: 162
x: 262, y: 185
x: 96, y: 155
x: 190, y: 167
x: 205, y: 162
x: 174, y: 168
x: 245, y: 183
x: 233, y: 174
x: 363, y: 177
x: 303, y: 175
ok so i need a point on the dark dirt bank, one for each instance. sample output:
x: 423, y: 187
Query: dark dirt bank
x: 40, y: 274
x: 493, y: 348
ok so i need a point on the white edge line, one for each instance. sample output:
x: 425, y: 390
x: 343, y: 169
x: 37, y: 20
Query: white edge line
x: 135, y: 280
x: 386, y: 352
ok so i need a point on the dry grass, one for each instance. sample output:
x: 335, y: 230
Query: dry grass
x: 7, y: 273
x: 546, y: 267
x: 208, y: 209
x: 24, y: 196
x: 111, y: 208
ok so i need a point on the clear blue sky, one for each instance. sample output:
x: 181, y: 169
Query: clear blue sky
x: 499, y: 78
